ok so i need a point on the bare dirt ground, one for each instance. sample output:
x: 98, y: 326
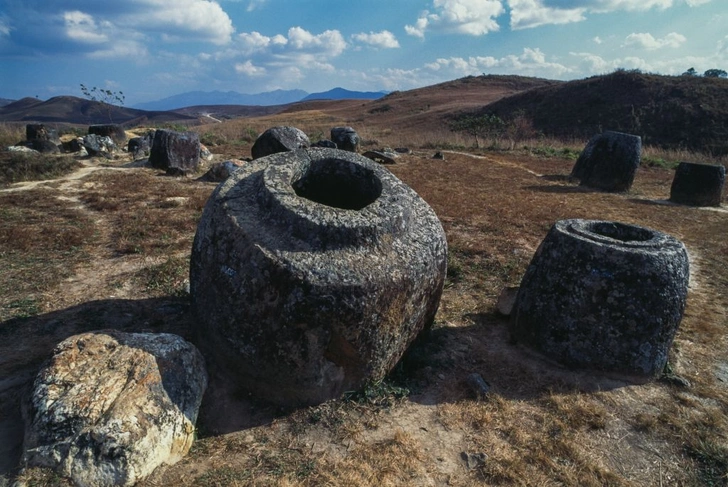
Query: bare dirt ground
x: 114, y: 244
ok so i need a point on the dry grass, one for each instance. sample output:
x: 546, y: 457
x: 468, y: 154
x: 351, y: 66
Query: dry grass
x: 126, y: 234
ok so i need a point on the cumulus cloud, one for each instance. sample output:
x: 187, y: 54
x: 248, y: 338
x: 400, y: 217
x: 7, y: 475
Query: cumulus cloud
x: 184, y: 19
x: 594, y: 64
x: 530, y: 62
x: 472, y: 17
x: 381, y: 40
x: 248, y: 69
x: 526, y: 14
x: 647, y: 41
x: 82, y: 27
x: 5, y: 26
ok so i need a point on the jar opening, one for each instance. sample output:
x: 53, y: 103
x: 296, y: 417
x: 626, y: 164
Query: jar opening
x: 338, y: 183
x: 620, y: 231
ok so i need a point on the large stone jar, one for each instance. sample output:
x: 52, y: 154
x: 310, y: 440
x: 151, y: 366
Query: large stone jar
x: 311, y: 273
x: 603, y: 295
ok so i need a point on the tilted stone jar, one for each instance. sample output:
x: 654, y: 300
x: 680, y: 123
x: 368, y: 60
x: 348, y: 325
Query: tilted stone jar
x: 603, y: 295
x: 311, y: 273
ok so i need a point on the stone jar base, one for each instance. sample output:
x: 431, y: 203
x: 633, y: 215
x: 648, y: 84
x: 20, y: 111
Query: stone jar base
x: 603, y: 295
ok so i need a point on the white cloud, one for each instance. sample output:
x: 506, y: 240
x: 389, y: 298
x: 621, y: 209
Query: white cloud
x: 696, y: 3
x: 5, y: 26
x: 248, y: 69
x: 597, y: 40
x: 381, y: 40
x: 647, y: 41
x: 531, y: 62
x: 472, y: 17
x: 594, y: 64
x: 329, y: 42
x: 526, y: 14
x: 82, y: 27
x: 534, y: 13
x: 255, y: 5
x: 184, y: 19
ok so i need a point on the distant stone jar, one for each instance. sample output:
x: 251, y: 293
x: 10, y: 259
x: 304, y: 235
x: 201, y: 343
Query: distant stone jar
x: 311, y: 273
x: 698, y: 184
x: 603, y: 295
x: 279, y: 139
x: 609, y: 162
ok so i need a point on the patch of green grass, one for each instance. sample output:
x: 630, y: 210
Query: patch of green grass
x: 17, y: 167
x: 712, y: 459
x: 659, y: 162
x: 552, y: 152
x: 166, y: 279
x: 21, y: 308
x: 380, y: 394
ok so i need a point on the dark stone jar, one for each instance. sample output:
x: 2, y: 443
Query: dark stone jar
x: 698, y: 184
x: 603, y: 295
x: 609, y: 162
x: 311, y: 273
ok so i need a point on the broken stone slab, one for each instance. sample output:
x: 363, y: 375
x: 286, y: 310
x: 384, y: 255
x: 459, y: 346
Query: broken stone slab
x: 311, y: 273
x: 506, y: 300
x: 98, y: 145
x: 220, y: 171
x: 114, y: 131
x: 609, y: 162
x: 176, y: 153
x: 110, y: 407
x: 345, y: 138
x: 279, y: 139
x: 38, y: 131
x: 603, y: 295
x: 381, y: 157
x: 698, y: 184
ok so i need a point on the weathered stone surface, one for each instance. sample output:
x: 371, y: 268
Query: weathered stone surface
x: 381, y: 157
x: 603, y: 295
x: 345, y: 138
x: 506, y: 300
x: 312, y: 271
x: 139, y: 147
x: 279, y: 139
x: 38, y: 131
x: 175, y: 152
x: 21, y: 148
x: 330, y: 144
x: 98, y: 145
x: 439, y: 155
x: 205, y: 153
x: 110, y: 407
x: 114, y: 131
x: 220, y: 171
x: 44, y: 146
x: 73, y: 145
x: 609, y: 162
x: 698, y: 184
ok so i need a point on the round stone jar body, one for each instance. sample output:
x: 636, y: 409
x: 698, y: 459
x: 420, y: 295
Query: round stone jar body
x: 311, y: 273
x: 603, y: 295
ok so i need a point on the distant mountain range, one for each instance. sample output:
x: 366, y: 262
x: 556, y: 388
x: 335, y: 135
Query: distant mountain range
x: 268, y: 98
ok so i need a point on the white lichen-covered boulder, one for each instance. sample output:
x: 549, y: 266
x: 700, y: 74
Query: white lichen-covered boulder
x: 110, y: 407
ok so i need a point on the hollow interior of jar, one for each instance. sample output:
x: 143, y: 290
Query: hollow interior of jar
x: 338, y: 183
x: 620, y: 231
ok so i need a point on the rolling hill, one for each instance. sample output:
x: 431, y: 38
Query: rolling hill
x: 671, y: 111
x: 70, y: 109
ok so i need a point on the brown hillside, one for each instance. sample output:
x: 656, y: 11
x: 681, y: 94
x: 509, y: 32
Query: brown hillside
x: 70, y: 109
x: 670, y: 111
x: 428, y: 108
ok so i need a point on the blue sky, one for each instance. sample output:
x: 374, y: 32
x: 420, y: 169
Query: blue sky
x: 151, y: 49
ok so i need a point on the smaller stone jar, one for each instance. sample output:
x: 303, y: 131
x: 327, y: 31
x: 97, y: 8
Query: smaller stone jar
x: 603, y: 295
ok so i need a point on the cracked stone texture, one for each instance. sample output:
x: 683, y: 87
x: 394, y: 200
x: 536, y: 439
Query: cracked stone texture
x: 109, y: 407
x: 311, y: 273
x: 345, y: 138
x: 603, y: 295
x: 698, y: 184
x: 609, y: 162
x: 279, y: 139
x: 175, y: 152
x: 115, y: 131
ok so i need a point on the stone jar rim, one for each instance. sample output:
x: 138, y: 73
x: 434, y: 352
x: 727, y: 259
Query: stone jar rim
x: 617, y: 234
x: 383, y: 213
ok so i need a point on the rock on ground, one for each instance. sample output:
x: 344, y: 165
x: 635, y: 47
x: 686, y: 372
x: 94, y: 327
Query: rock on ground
x: 110, y: 407
x: 279, y: 139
